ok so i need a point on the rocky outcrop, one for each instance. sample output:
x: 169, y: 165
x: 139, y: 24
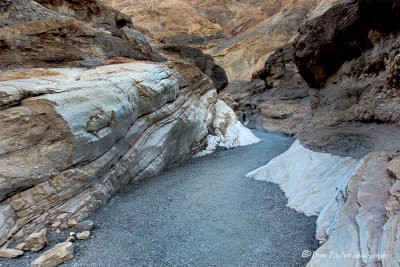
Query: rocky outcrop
x: 67, y: 33
x: 239, y: 43
x: 203, y: 61
x: 277, y: 98
x: 228, y: 132
x: 310, y: 180
x: 355, y: 200
x: 58, y: 254
x: 71, y: 138
x: 351, y: 66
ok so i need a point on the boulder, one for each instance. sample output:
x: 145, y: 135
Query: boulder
x: 58, y: 254
x: 83, y: 235
x: 36, y: 241
x: 10, y: 253
x: 86, y: 225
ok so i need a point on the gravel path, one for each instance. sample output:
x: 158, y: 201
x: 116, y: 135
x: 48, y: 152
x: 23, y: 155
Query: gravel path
x: 203, y: 212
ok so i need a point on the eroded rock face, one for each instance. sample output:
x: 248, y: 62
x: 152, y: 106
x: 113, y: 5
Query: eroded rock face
x: 350, y: 59
x: 67, y: 33
x: 203, y: 61
x: 277, y: 98
x: 82, y: 134
x: 239, y: 42
x: 356, y: 202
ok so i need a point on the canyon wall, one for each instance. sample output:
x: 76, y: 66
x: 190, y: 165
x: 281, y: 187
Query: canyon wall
x: 344, y: 167
x: 240, y: 35
x: 87, y: 105
x: 71, y: 138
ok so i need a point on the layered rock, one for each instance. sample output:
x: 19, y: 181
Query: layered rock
x: 203, y: 61
x: 67, y: 33
x: 228, y: 132
x: 277, y: 98
x: 355, y: 200
x: 240, y: 43
x: 350, y: 59
x: 71, y: 138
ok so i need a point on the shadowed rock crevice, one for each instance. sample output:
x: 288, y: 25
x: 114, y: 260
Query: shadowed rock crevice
x: 203, y: 61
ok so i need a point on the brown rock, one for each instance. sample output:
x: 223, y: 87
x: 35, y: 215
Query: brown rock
x: 394, y: 168
x: 58, y: 254
x: 20, y: 246
x: 36, y: 241
x: 239, y: 42
x: 68, y: 33
x: 72, y: 223
x: 10, y: 253
x: 55, y: 225
x: 83, y: 235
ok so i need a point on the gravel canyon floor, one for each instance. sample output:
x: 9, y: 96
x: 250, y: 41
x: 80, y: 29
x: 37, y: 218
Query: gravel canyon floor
x: 203, y: 212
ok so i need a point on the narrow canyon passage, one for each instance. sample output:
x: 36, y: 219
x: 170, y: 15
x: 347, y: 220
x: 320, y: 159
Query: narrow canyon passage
x: 202, y: 212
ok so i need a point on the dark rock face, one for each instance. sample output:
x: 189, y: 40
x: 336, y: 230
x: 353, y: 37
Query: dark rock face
x: 350, y: 58
x: 67, y: 33
x: 342, y: 33
x: 203, y: 61
x: 277, y: 98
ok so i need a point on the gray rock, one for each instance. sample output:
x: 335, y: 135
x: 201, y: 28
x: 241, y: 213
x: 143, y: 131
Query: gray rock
x: 84, y: 226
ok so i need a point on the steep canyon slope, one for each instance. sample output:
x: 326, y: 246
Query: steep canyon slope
x: 240, y: 35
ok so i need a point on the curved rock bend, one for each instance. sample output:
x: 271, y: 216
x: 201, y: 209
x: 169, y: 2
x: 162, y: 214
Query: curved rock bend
x: 356, y: 202
x: 70, y: 137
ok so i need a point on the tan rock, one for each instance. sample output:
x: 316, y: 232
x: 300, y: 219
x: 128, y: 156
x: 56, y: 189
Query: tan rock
x: 244, y: 41
x: 72, y: 223
x: 36, y: 241
x: 10, y: 253
x: 58, y: 254
x: 20, y: 246
x: 55, y: 225
x: 83, y: 235
x: 72, y: 233
x: 394, y: 168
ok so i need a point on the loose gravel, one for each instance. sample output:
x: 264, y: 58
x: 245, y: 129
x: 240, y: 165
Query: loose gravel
x: 203, y: 212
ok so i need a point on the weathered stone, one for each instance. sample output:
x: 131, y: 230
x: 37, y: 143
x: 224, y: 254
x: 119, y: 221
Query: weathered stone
x: 20, y: 246
x: 142, y: 105
x: 36, y: 241
x: 394, y: 168
x: 67, y: 33
x: 58, y: 254
x: 56, y: 225
x: 355, y: 200
x: 84, y: 226
x: 10, y: 253
x: 240, y: 43
x: 72, y: 222
x: 83, y: 235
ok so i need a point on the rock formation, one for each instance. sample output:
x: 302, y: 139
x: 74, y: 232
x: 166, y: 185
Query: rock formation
x: 277, y: 98
x: 82, y: 34
x: 71, y: 137
x: 203, y: 61
x: 349, y: 58
x: 355, y: 200
x: 351, y: 66
x: 239, y: 42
